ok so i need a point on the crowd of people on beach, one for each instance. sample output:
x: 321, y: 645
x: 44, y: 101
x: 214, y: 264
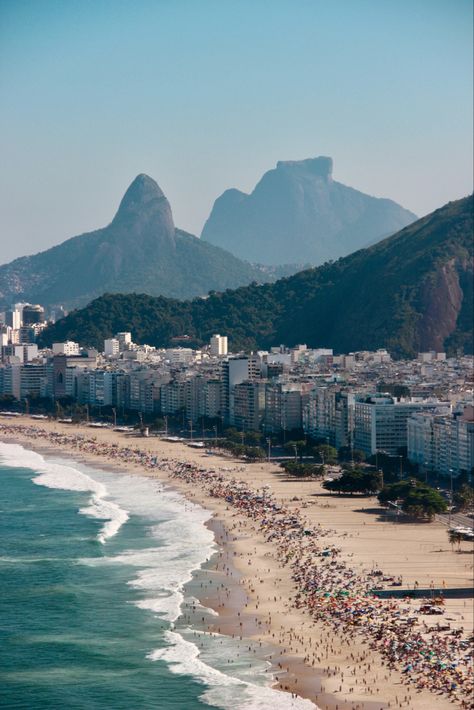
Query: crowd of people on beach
x: 436, y: 658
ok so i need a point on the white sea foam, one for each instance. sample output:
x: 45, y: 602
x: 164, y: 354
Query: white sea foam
x: 167, y: 606
x: 181, y: 542
x: 184, y: 543
x: 69, y: 478
x: 245, y: 659
x: 225, y: 691
x: 192, y: 601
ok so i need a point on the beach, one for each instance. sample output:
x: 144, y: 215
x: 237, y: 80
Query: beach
x: 269, y: 590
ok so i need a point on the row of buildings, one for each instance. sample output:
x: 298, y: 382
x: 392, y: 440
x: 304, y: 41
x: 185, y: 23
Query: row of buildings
x: 362, y: 400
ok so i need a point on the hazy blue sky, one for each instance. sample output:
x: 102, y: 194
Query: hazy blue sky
x: 208, y: 94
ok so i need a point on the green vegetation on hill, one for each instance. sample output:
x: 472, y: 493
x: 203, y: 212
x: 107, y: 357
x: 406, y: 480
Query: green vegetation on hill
x: 410, y: 292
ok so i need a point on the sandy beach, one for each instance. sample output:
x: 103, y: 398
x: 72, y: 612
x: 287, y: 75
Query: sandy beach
x: 335, y: 666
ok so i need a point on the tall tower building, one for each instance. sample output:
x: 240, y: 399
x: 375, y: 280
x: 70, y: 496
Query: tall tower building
x: 13, y: 318
x: 219, y: 345
x: 235, y: 371
x: 33, y: 314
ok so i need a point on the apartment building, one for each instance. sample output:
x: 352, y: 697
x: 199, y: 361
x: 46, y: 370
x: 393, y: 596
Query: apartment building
x: 283, y: 406
x: 248, y: 406
x: 319, y: 414
x: 442, y: 442
x: 234, y: 371
x: 218, y: 345
x: 380, y: 422
x: 67, y: 348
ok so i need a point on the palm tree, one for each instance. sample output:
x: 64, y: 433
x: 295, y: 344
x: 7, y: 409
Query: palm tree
x: 455, y: 537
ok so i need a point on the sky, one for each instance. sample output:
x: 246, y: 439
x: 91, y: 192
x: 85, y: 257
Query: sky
x: 203, y: 95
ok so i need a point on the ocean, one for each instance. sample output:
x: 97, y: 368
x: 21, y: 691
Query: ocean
x: 96, y: 574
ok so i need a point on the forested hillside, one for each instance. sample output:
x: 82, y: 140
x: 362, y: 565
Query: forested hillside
x: 410, y: 292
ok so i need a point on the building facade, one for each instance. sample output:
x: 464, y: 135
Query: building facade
x: 441, y: 442
x: 381, y: 423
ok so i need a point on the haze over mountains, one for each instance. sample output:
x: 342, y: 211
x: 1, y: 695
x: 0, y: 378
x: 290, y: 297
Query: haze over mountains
x: 140, y: 250
x: 298, y: 213
x: 412, y: 291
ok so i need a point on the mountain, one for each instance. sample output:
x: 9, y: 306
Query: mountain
x: 411, y: 292
x: 140, y: 250
x: 297, y: 212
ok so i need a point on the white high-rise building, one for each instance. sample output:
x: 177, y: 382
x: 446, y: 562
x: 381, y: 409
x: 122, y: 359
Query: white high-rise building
x: 67, y: 348
x: 218, y: 345
x: 380, y: 422
x: 235, y: 371
x: 111, y: 347
x: 5, y: 335
x: 178, y: 355
x: 283, y: 406
x: 13, y: 318
x: 319, y: 416
x: 442, y: 442
x: 125, y: 340
x: 248, y: 405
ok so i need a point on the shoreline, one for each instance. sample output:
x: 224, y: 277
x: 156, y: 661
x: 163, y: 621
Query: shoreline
x: 339, y: 663
x: 236, y: 622
x: 227, y: 624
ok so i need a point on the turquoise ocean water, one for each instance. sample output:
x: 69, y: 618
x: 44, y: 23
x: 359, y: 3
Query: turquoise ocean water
x: 95, y: 571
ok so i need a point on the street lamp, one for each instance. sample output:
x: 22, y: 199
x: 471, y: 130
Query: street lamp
x: 269, y: 442
x: 114, y: 412
x: 378, y: 470
x: 215, y: 434
x: 425, y: 464
x: 166, y: 424
x: 450, y: 494
x: 296, y: 452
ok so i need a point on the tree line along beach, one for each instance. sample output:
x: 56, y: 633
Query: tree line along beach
x: 305, y: 563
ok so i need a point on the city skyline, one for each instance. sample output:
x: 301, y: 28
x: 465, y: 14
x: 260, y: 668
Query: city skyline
x: 206, y: 97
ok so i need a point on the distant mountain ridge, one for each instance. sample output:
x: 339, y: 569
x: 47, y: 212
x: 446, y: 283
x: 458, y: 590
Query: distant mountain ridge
x: 297, y: 212
x: 140, y: 250
x: 411, y: 292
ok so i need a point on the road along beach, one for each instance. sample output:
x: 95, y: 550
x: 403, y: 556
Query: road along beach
x: 307, y: 562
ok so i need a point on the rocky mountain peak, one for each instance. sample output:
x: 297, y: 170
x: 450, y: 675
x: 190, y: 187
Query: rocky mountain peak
x: 298, y: 214
x: 143, y: 196
x: 139, y: 251
x: 320, y: 166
